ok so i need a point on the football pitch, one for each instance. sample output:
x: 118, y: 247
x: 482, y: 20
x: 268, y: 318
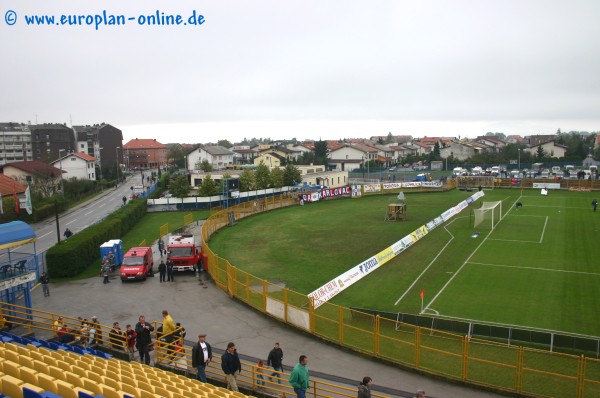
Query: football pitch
x: 539, y: 267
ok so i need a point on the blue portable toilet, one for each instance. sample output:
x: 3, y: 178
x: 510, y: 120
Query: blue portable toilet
x: 116, y: 247
x: 118, y: 250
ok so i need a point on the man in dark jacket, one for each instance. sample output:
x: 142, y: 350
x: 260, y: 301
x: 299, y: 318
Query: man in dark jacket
x: 45, y: 280
x: 162, y: 271
x: 144, y: 339
x: 275, y: 360
x: 201, y: 357
x: 231, y: 365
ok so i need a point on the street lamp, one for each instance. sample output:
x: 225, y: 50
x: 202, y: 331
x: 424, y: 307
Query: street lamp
x: 117, y: 151
x: 519, y: 152
x: 62, y: 185
x: 100, y: 164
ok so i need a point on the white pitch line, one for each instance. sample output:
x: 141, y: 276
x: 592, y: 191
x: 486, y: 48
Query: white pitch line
x: 539, y: 269
x: 89, y: 212
x: 429, y: 265
x: 515, y: 240
x: 544, y: 230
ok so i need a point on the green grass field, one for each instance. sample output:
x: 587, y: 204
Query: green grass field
x: 538, y: 268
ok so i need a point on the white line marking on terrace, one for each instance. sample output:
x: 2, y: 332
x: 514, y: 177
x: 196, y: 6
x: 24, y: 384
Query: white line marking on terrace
x: 539, y: 269
x: 89, y: 212
x: 46, y: 234
x: 544, y: 230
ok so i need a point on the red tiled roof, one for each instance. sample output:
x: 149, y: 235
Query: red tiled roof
x: 144, y: 143
x: 84, y: 156
x: 8, y: 186
x: 35, y: 167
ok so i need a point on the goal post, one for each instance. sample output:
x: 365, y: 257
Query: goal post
x: 488, y: 215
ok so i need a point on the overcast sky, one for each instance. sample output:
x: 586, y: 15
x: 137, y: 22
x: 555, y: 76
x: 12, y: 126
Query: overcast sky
x: 308, y: 69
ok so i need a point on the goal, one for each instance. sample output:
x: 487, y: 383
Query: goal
x: 488, y: 215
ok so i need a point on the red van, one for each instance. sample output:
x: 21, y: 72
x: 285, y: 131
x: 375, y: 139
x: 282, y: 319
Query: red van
x: 137, y: 263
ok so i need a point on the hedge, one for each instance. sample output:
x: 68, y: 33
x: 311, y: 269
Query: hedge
x: 74, y: 255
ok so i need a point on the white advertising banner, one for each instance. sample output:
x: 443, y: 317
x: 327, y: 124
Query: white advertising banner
x: 546, y: 185
x: 372, y: 187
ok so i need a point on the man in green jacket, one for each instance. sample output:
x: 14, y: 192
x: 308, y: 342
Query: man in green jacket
x: 299, y: 377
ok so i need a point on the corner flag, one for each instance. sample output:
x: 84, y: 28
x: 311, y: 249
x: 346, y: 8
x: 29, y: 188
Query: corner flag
x: 422, y: 295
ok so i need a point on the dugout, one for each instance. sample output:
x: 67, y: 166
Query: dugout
x: 19, y: 270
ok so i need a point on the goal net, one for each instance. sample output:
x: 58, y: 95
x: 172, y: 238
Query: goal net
x: 488, y: 215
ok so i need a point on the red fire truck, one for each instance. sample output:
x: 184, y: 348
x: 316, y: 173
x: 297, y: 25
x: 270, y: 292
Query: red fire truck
x: 184, y: 253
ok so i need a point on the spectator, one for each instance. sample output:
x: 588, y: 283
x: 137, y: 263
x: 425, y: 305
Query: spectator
x: 364, y: 388
x: 45, y: 280
x: 131, y: 337
x: 170, y: 265
x: 275, y: 359
x: 595, y: 204
x: 98, y: 334
x: 231, y: 365
x: 201, y: 357
x: 56, y: 325
x: 106, y: 271
x: 67, y: 233
x: 115, y: 336
x: 162, y: 271
x: 260, y: 367
x: 144, y: 339
x: 299, y: 377
x: 161, y: 247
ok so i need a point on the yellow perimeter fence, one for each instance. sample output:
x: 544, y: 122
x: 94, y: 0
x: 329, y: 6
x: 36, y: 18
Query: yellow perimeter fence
x: 478, y: 362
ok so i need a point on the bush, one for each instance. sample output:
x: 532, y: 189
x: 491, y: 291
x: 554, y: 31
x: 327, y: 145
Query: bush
x: 75, y: 255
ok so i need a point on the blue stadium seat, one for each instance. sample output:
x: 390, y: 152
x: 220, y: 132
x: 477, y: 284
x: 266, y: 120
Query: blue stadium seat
x: 27, y: 393
x: 6, y: 339
x: 49, y: 394
x: 82, y: 394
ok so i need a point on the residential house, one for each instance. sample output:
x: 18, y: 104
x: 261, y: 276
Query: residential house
x: 350, y: 157
x: 77, y: 165
x: 102, y: 141
x: 385, y: 155
x: 15, y: 142
x: 243, y: 155
x: 493, y: 143
x: 462, y: 150
x: 547, y: 143
x: 48, y: 140
x: 9, y: 186
x: 41, y: 176
x: 276, y: 154
x: 219, y: 157
x: 144, y: 154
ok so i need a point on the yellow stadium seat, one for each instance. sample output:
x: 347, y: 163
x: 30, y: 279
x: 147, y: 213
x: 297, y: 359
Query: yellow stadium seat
x: 112, y: 383
x: 98, y: 370
x: 145, y: 386
x: 26, y: 361
x: 64, y: 365
x: 36, y: 355
x: 11, y: 368
x: 32, y: 387
x: 28, y: 375
x: 198, y: 392
x: 56, y: 372
x: 74, y: 379
x: 95, y: 376
x: 68, y: 359
x: 80, y: 371
x: 56, y: 355
x: 11, y: 386
x: 91, y: 385
x: 131, y: 390
x: 129, y: 379
x: 47, y: 382
x: 109, y: 392
x: 31, y: 347
x: 11, y: 355
x: 65, y: 389
x: 40, y: 366
x: 148, y: 394
x: 111, y: 374
x: 84, y: 365
x: 22, y: 350
x: 162, y: 391
x: 50, y: 360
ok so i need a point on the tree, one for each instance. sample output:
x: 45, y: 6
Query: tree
x: 204, y: 165
x: 321, y: 152
x: 540, y: 153
x: 247, y: 181
x: 208, y: 187
x: 291, y: 175
x: 262, y: 176
x: 176, y: 155
x: 389, y: 139
x: 179, y: 187
x: 224, y: 143
x: 276, y: 177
